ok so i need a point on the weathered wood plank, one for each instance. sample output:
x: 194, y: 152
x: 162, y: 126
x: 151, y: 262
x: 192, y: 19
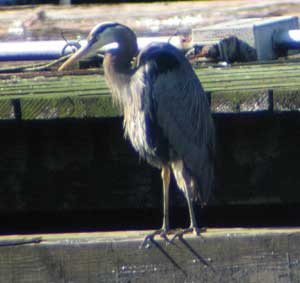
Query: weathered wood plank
x: 240, y: 101
x: 85, y: 94
x: 286, y: 100
x: 219, y: 255
x: 67, y: 107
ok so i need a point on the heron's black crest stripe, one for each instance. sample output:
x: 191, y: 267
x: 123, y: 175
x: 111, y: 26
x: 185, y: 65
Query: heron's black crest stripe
x: 103, y: 27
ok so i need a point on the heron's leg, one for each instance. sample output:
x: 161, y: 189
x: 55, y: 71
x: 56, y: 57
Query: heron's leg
x: 187, y: 184
x: 193, y: 228
x: 193, y: 224
x: 165, y: 175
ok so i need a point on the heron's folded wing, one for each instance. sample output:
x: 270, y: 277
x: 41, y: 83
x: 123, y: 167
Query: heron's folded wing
x: 174, y: 100
x: 179, y: 106
x: 184, y: 115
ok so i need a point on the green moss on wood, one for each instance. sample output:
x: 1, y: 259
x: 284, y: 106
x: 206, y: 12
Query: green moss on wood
x: 7, y: 110
x: 81, y: 95
x: 286, y: 99
x: 68, y: 107
x: 239, y: 101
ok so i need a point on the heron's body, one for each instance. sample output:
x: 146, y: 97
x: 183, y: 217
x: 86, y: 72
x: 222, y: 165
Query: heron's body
x: 139, y: 109
x: 166, y: 113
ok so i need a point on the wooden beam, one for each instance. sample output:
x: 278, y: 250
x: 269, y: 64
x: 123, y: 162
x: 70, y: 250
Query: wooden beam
x: 84, y: 94
x: 218, y: 255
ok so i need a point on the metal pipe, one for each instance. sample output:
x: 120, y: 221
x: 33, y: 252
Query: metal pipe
x: 53, y: 49
x: 287, y: 39
x: 34, y: 50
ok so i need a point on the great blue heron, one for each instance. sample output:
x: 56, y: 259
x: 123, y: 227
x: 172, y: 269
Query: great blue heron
x: 166, y: 112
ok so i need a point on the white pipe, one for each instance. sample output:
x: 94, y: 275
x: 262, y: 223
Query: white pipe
x: 53, y: 49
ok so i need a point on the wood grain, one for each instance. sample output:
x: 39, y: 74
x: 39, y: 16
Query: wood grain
x: 230, y: 255
x: 79, y: 94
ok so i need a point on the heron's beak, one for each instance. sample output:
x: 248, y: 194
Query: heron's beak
x: 81, y: 52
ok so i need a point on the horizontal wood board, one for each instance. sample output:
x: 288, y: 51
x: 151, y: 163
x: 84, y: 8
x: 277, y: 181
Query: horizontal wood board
x: 218, y: 255
x: 84, y: 94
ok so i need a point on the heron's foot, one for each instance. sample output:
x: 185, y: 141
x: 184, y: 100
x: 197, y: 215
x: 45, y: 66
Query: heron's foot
x: 150, y: 238
x: 195, y: 230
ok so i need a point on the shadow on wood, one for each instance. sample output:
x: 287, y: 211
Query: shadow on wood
x: 235, y: 255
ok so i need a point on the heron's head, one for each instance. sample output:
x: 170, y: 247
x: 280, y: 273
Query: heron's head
x: 100, y: 36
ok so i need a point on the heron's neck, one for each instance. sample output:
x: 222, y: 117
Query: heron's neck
x: 118, y: 70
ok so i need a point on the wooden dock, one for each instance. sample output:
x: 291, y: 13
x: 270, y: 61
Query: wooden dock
x: 84, y: 94
x: 51, y: 118
x: 218, y: 255
x: 65, y: 166
x: 64, y: 151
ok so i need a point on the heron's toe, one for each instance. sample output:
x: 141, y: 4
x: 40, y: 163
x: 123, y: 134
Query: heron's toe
x: 195, y: 230
x: 163, y: 233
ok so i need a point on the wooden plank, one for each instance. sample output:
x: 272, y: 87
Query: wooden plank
x: 218, y: 255
x: 66, y: 107
x: 286, y: 100
x: 240, y: 101
x: 82, y: 94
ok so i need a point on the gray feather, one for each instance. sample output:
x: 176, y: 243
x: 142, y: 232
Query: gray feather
x: 176, y: 101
